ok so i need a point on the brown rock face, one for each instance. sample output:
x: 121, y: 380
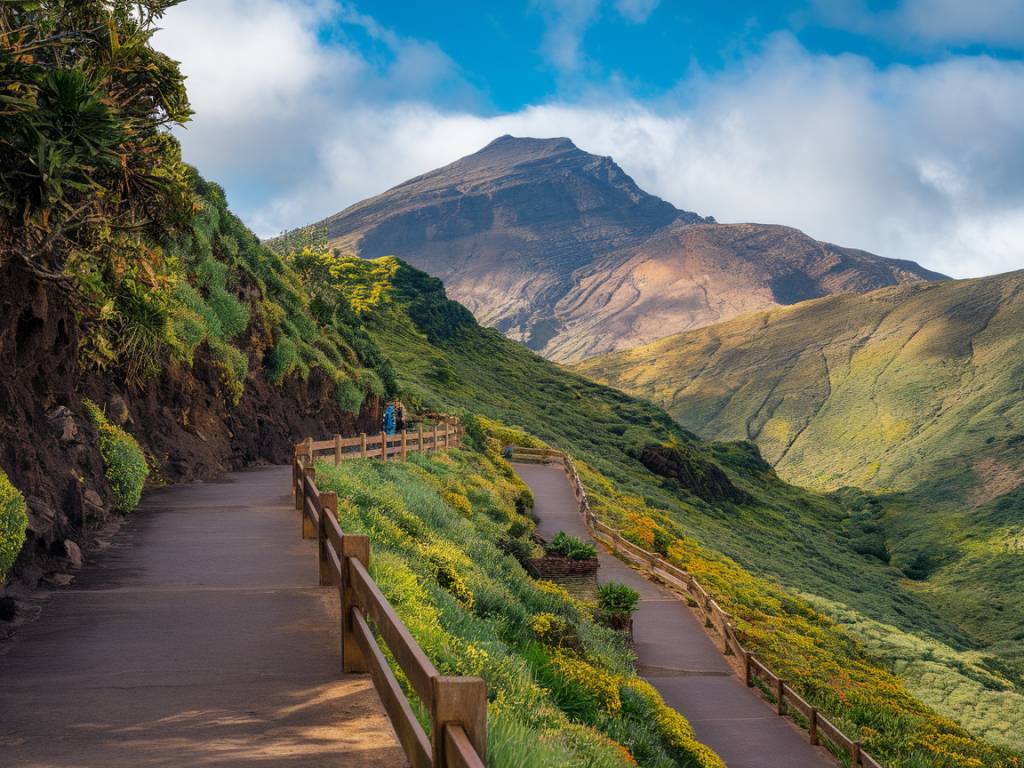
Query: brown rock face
x: 560, y: 249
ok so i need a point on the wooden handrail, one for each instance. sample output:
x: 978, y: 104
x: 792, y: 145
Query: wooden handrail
x: 714, y: 616
x: 457, y: 705
x: 446, y: 434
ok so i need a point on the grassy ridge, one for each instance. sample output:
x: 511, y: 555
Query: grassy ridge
x: 777, y: 542
x: 914, y: 393
x: 887, y: 390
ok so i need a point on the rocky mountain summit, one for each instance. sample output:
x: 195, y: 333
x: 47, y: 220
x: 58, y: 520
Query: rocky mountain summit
x: 561, y: 249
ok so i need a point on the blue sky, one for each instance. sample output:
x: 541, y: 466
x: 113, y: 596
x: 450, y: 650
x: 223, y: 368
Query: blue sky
x: 501, y: 47
x: 891, y: 126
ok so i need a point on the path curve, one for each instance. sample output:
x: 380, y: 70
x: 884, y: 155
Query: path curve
x: 676, y: 655
x: 198, y: 638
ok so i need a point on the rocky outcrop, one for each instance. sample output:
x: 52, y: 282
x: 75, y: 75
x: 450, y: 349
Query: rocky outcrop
x: 691, y: 472
x: 561, y: 250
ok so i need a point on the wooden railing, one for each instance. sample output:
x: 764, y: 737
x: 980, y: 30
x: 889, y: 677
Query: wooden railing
x: 785, y: 698
x: 438, y: 436
x: 457, y: 705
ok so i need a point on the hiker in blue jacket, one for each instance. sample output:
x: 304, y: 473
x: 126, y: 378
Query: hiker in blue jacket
x: 389, y: 419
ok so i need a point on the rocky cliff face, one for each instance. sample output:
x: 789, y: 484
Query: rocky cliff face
x: 560, y: 249
x: 183, y: 419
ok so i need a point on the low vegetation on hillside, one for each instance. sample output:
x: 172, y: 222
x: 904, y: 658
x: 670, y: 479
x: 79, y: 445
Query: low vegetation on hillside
x: 13, y: 521
x: 561, y: 687
x: 123, y: 460
x: 912, y: 394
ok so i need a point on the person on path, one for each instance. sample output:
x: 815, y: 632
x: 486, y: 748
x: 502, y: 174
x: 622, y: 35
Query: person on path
x: 389, y: 419
x: 400, y: 416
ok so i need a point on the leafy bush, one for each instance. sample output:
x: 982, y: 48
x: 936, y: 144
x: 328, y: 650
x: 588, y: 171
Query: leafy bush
x: 571, y: 547
x: 13, y: 522
x: 554, y: 630
x: 123, y: 460
x: 233, y: 315
x: 642, y: 700
x: 617, y: 599
x: 282, y: 360
x: 348, y: 395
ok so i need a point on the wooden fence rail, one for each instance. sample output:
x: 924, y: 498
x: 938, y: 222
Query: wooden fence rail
x: 786, y: 699
x: 457, y: 705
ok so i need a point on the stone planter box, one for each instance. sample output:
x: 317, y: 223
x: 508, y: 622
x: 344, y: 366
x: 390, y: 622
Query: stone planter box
x: 558, y: 567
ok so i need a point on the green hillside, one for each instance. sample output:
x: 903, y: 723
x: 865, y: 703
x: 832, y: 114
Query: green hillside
x: 778, y: 541
x: 887, y: 391
x: 912, y: 393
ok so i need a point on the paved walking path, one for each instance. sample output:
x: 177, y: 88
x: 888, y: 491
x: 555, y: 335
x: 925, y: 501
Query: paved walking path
x: 199, y: 638
x: 677, y: 656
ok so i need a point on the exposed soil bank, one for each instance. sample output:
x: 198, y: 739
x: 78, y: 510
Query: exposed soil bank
x: 183, y: 419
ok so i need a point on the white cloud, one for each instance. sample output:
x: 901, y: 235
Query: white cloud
x: 566, y: 21
x: 636, y: 11
x: 920, y: 163
x: 932, y: 22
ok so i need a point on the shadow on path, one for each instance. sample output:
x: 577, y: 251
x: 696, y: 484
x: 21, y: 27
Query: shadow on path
x: 199, y: 638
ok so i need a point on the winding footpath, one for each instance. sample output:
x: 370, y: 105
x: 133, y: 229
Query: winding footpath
x: 676, y: 655
x: 198, y: 638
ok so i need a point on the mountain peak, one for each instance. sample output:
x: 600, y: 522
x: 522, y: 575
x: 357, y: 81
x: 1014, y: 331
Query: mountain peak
x: 561, y: 249
x: 510, y: 151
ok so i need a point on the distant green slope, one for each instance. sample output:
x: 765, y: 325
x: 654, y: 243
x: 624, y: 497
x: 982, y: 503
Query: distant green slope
x: 915, y: 393
x: 886, y: 390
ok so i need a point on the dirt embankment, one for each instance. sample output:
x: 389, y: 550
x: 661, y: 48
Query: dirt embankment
x: 183, y: 420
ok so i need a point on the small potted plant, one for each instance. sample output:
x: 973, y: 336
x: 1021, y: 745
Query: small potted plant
x: 616, y: 603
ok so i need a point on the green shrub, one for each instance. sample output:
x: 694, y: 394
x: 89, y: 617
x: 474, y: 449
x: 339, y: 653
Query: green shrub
x: 13, y: 522
x: 571, y: 547
x: 348, y: 395
x: 554, y: 630
x: 282, y: 360
x: 371, y: 382
x: 123, y: 460
x: 233, y: 367
x: 617, y: 599
x: 233, y: 314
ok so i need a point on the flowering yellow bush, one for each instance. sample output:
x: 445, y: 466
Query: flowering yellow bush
x: 811, y: 652
x: 601, y: 686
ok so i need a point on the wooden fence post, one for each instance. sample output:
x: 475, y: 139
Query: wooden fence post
x: 337, y: 450
x: 358, y: 547
x: 307, y: 524
x: 329, y: 506
x: 748, y: 676
x: 461, y: 700
x: 310, y: 458
x: 405, y: 444
x: 419, y: 438
x: 779, y: 693
x: 434, y: 446
x: 812, y: 727
x: 299, y: 488
x: 383, y: 446
x: 362, y: 444
x: 855, y: 754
